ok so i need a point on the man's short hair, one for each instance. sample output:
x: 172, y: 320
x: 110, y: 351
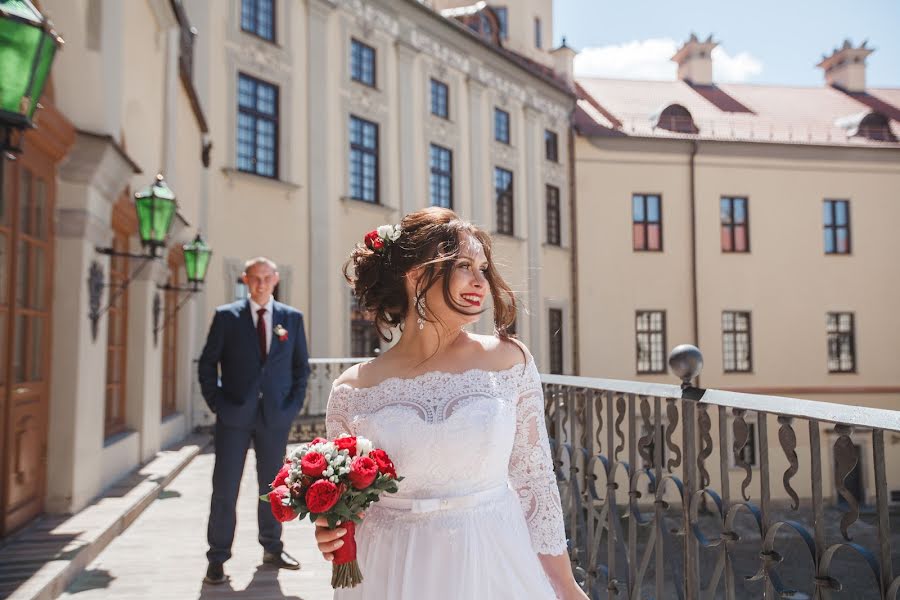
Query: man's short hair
x: 260, y: 260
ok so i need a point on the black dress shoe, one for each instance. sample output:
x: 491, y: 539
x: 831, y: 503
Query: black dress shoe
x: 215, y: 574
x: 282, y: 560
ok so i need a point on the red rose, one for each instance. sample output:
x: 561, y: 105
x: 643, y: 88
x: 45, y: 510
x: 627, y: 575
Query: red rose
x: 322, y: 496
x: 318, y: 440
x: 363, y: 471
x: 282, y: 476
x: 313, y: 464
x: 373, y: 241
x: 282, y: 513
x: 385, y: 466
x: 346, y: 443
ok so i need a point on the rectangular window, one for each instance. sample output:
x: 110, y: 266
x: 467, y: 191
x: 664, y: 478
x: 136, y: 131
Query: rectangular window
x: 538, y: 41
x: 736, y: 345
x: 503, y: 187
x: 647, y: 222
x: 258, y: 18
x: 440, y: 99
x: 841, y: 342
x: 735, y: 225
x: 362, y: 63
x: 555, y: 321
x: 837, y: 226
x: 257, y: 127
x: 364, y: 338
x: 501, y: 126
x: 441, y: 176
x: 553, y: 220
x: 551, y: 145
x: 503, y: 20
x: 650, y: 331
x: 363, y: 160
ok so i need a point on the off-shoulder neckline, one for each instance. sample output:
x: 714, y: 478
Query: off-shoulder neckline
x: 436, y: 374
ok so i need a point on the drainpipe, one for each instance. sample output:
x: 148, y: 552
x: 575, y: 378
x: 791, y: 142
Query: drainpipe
x: 693, y: 192
x: 573, y: 248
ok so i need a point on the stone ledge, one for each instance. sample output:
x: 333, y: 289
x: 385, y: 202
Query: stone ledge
x: 39, y: 562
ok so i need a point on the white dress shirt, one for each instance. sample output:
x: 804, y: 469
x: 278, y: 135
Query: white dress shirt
x: 267, y: 316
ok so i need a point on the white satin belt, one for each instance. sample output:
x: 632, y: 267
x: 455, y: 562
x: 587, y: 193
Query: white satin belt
x: 425, y: 505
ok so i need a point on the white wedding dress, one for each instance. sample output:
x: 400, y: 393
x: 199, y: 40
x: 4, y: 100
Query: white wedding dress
x: 479, y: 500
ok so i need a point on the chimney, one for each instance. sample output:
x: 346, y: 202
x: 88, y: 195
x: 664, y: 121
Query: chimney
x: 694, y: 60
x: 563, y: 62
x: 846, y: 67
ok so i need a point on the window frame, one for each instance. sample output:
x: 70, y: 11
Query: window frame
x: 446, y: 92
x: 257, y: 115
x: 554, y: 225
x: 538, y: 34
x: 437, y: 172
x: 556, y: 349
x: 731, y: 227
x: 502, y: 14
x: 832, y: 229
x: 364, y: 48
x: 650, y: 370
x: 507, y: 195
x: 354, y: 147
x: 836, y: 334
x: 507, y: 139
x: 362, y: 326
x: 645, y: 223
x: 255, y: 31
x: 551, y: 140
x: 734, y: 332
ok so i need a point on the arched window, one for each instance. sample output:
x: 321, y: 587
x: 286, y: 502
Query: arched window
x: 675, y: 117
x: 871, y: 125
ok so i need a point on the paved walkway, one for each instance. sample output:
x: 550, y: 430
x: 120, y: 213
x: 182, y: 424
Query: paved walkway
x: 162, y: 555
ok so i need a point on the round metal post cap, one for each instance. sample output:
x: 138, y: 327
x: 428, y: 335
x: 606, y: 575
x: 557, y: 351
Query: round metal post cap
x: 686, y: 362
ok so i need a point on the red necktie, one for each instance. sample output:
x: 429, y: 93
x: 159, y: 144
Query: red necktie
x: 261, y: 333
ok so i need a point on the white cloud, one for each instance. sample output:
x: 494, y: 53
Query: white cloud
x: 651, y: 59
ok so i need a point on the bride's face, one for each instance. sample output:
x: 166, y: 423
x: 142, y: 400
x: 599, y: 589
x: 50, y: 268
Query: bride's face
x: 469, y: 287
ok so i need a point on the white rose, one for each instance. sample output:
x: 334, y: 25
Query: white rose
x: 394, y: 235
x: 384, y: 231
x: 363, y: 446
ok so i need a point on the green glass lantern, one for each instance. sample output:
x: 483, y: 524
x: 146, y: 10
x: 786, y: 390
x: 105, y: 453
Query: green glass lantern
x: 156, y: 208
x: 28, y: 45
x: 196, y: 260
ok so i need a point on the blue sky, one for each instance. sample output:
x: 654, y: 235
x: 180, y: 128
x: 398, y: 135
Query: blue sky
x: 763, y: 41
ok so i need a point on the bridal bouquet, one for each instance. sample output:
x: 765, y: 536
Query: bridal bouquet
x: 336, y: 479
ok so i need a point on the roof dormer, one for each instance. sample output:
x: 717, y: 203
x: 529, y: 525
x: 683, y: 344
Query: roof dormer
x: 674, y: 117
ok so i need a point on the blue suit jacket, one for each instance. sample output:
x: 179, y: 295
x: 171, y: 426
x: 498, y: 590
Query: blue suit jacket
x: 234, y: 379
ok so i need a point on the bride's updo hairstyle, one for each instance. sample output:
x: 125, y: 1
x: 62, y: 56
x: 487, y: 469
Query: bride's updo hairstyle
x: 430, y: 239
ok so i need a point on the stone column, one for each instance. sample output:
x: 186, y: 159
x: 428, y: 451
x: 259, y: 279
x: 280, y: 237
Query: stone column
x: 482, y: 206
x: 321, y: 188
x: 532, y: 196
x: 411, y: 165
x: 89, y: 182
x: 143, y: 408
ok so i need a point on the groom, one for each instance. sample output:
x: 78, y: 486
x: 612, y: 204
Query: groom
x: 253, y: 373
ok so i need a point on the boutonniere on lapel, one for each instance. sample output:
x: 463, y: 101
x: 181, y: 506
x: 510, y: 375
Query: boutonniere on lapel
x: 281, y: 332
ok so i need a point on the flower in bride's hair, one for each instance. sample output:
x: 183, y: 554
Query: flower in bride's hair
x: 381, y: 236
x: 389, y: 233
x: 373, y: 241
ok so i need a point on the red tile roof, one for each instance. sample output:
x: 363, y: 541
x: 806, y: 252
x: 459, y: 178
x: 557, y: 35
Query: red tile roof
x: 744, y: 112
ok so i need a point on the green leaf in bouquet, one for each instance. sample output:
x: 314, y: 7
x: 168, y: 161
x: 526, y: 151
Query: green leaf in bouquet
x: 264, y: 497
x: 332, y: 520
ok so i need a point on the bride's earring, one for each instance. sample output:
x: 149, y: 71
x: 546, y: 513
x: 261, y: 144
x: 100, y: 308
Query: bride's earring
x: 420, y: 308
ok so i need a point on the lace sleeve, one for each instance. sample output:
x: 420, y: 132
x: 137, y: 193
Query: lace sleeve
x: 531, y: 468
x: 337, y: 414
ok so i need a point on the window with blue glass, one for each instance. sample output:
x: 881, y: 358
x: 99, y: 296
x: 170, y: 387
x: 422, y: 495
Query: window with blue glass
x: 501, y: 125
x: 551, y: 145
x: 441, y: 176
x: 837, y: 226
x: 735, y: 225
x: 257, y: 127
x: 646, y: 212
x: 363, y: 160
x: 538, y: 38
x: 258, y: 18
x: 503, y: 188
x: 502, y: 21
x: 440, y: 99
x: 362, y: 63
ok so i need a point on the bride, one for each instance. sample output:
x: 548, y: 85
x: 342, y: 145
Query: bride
x: 478, y: 515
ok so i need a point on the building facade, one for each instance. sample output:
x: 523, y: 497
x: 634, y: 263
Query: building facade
x: 285, y: 128
x: 752, y: 221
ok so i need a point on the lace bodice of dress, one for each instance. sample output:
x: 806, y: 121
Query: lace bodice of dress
x: 453, y: 434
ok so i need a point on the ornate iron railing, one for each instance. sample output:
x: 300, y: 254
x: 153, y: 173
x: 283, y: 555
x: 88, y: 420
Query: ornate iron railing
x: 649, y: 516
